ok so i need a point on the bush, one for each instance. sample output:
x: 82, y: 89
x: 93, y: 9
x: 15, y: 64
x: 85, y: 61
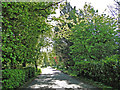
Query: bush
x: 13, y: 78
x: 106, y: 71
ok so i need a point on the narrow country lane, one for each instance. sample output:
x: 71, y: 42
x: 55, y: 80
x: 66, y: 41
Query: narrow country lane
x: 52, y: 78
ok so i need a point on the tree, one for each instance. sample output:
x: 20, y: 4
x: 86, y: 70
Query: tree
x: 62, y: 33
x: 23, y: 23
x: 87, y: 35
x: 93, y: 37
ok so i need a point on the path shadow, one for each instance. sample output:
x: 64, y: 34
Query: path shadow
x: 55, y: 79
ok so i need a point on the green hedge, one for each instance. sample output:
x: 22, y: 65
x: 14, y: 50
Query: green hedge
x: 14, y: 78
x: 106, y: 71
x: 22, y: 25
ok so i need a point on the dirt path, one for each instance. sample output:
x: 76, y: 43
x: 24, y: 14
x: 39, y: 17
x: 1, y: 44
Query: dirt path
x: 51, y: 78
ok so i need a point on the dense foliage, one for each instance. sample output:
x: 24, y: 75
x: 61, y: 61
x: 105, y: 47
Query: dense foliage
x: 93, y: 38
x: 106, y: 70
x: 22, y: 25
x: 14, y: 78
x: 62, y: 33
x: 89, y: 39
x: 84, y: 43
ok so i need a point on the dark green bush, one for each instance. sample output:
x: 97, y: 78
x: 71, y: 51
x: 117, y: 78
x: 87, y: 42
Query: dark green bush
x: 106, y: 71
x: 13, y: 78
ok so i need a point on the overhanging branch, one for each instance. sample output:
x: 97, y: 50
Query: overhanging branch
x: 51, y: 5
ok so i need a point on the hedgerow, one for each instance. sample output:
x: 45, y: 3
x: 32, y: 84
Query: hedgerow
x: 14, y: 78
x: 106, y: 70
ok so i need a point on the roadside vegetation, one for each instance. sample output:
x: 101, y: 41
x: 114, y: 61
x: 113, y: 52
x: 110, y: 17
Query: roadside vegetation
x: 84, y: 43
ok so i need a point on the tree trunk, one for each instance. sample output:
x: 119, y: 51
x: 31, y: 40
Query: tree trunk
x: 36, y: 65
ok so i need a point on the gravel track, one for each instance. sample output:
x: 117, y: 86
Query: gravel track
x: 55, y: 79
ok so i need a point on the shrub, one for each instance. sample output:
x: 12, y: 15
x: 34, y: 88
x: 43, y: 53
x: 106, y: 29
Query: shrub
x: 13, y: 78
x: 106, y: 71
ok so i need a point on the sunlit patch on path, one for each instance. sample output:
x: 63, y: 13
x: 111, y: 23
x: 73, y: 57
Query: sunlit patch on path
x: 51, y: 78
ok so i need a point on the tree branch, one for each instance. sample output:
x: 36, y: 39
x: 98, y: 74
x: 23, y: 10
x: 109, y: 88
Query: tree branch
x: 50, y: 5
